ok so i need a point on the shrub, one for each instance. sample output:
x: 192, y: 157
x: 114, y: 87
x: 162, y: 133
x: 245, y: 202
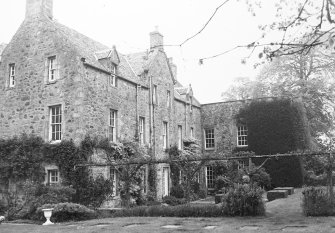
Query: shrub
x: 3, y: 207
x: 221, y: 182
x: 262, y: 179
x: 171, y: 200
x: 37, y: 195
x: 187, y: 210
x: 95, y: 191
x: 315, y: 202
x: 243, y: 200
x: 177, y: 191
x: 68, y: 211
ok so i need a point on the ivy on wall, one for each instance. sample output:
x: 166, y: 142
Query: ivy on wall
x: 277, y: 126
x: 24, y: 157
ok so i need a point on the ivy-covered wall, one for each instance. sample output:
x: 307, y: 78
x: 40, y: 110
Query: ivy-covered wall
x: 277, y: 126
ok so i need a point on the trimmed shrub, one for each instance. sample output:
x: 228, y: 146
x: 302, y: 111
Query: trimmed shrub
x: 171, y: 200
x: 315, y: 202
x: 187, y: 210
x: 63, y: 212
x: 177, y: 191
x: 243, y: 200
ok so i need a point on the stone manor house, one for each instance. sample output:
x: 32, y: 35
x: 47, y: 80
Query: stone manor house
x: 59, y: 84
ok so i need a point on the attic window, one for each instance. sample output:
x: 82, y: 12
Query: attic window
x: 52, y: 69
x: 112, y: 80
x: 11, y: 75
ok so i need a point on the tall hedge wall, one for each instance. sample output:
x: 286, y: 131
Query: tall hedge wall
x: 277, y: 126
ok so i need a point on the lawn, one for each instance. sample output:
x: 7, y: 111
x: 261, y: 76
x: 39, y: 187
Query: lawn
x: 283, y: 215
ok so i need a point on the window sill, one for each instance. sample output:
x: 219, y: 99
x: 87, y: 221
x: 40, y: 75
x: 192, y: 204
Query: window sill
x: 51, y: 82
x: 241, y: 146
x: 55, y: 142
x: 209, y: 149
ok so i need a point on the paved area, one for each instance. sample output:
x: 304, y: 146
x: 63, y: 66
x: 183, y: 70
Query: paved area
x: 283, y: 215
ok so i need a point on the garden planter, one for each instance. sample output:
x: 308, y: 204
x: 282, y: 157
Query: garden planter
x: 47, y: 215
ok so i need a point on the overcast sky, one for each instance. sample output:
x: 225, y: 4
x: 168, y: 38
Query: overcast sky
x: 127, y: 23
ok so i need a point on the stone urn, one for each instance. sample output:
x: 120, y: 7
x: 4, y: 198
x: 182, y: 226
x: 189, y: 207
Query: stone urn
x: 47, y: 215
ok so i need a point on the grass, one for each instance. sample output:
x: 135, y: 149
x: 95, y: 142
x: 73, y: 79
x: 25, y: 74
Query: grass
x: 280, y: 214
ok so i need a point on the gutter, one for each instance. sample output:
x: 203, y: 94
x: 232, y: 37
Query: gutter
x: 110, y: 73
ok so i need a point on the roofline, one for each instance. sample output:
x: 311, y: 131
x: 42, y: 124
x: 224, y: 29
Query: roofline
x: 183, y: 101
x: 250, y: 99
x: 110, y: 73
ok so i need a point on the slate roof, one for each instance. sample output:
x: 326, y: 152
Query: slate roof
x: 89, y: 48
x: 131, y: 66
x: 2, y: 47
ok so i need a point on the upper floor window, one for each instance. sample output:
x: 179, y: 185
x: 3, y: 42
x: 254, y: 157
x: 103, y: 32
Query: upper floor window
x: 112, y: 81
x: 53, y: 176
x: 141, y: 130
x: 242, y: 135
x: 168, y: 101
x: 154, y: 95
x: 55, y: 130
x: 52, y: 69
x: 112, y: 125
x: 11, y: 75
x: 165, y: 135
x: 209, y: 139
x: 180, y: 137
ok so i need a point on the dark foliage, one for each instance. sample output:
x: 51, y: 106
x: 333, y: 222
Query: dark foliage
x: 187, y: 210
x: 277, y: 126
x: 64, y: 212
x: 171, y: 200
x: 177, y: 191
x: 315, y: 202
x: 243, y: 200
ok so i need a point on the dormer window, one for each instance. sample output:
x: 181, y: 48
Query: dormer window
x: 52, y: 69
x: 112, y: 80
x: 11, y: 75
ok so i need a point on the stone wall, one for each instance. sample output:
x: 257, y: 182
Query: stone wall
x: 221, y: 117
x: 25, y: 107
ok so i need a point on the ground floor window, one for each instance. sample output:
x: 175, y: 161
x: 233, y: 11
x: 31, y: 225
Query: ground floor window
x: 209, y: 177
x: 165, y: 181
x: 53, y: 176
x: 113, y: 178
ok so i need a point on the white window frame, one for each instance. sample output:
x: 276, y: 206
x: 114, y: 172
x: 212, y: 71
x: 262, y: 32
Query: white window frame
x: 165, y: 135
x: 242, y: 136
x: 52, y: 69
x: 209, y: 139
x: 141, y: 130
x: 112, y: 125
x: 53, y: 176
x: 241, y: 164
x: 209, y: 177
x: 11, y: 75
x: 180, y: 137
x: 113, y: 178
x: 55, y: 123
x: 113, y: 76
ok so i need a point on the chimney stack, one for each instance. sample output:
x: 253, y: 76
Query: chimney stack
x: 39, y: 7
x: 156, y: 40
x: 173, y: 68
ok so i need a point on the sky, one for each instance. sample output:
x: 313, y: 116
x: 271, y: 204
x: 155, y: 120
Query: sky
x: 127, y: 24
